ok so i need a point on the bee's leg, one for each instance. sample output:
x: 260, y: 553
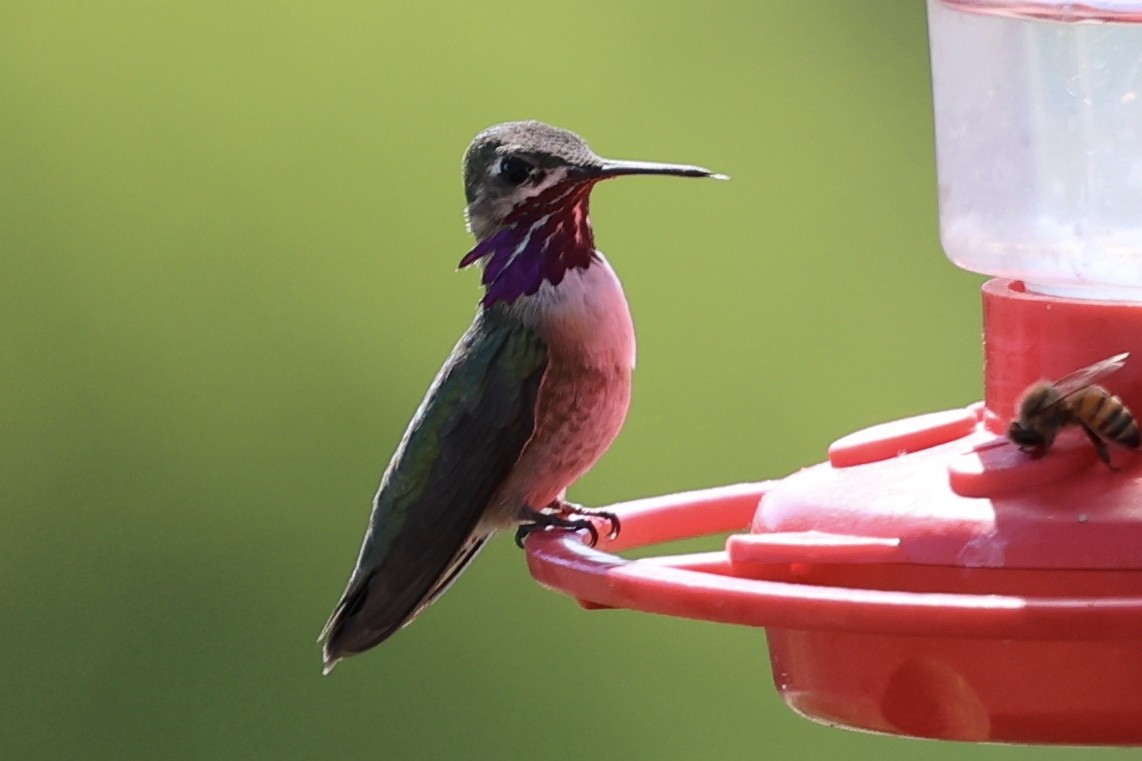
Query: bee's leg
x: 1099, y: 445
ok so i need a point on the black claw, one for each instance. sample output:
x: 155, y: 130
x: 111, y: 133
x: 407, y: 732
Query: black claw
x: 565, y: 509
x: 541, y: 520
x: 594, y: 532
x: 616, y: 524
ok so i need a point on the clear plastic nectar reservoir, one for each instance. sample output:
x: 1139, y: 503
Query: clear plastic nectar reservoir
x: 1039, y: 142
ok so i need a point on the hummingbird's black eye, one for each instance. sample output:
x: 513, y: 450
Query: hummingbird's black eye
x: 515, y: 170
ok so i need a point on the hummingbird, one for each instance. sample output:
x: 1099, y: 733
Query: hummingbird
x: 532, y: 395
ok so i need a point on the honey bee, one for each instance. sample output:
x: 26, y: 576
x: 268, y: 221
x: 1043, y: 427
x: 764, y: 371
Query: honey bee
x: 1046, y: 408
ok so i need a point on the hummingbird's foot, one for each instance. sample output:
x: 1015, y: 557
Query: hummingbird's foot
x: 539, y: 520
x: 565, y: 509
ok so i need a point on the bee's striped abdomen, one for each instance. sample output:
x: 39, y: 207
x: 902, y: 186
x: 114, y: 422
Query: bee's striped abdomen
x: 1107, y: 416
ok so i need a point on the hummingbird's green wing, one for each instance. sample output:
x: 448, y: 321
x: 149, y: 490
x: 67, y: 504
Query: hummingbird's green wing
x: 459, y: 448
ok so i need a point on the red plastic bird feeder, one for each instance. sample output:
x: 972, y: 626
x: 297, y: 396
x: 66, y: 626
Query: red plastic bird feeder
x: 930, y: 579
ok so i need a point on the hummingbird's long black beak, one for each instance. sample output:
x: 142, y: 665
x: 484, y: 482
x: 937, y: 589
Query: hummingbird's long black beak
x: 608, y: 168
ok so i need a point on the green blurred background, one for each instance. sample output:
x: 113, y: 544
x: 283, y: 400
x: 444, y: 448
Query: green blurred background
x: 229, y: 234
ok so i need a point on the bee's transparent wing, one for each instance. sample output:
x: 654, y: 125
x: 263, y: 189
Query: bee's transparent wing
x: 1085, y: 376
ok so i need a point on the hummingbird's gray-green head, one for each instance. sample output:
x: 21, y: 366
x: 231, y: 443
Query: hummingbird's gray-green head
x: 512, y: 162
x: 528, y: 186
